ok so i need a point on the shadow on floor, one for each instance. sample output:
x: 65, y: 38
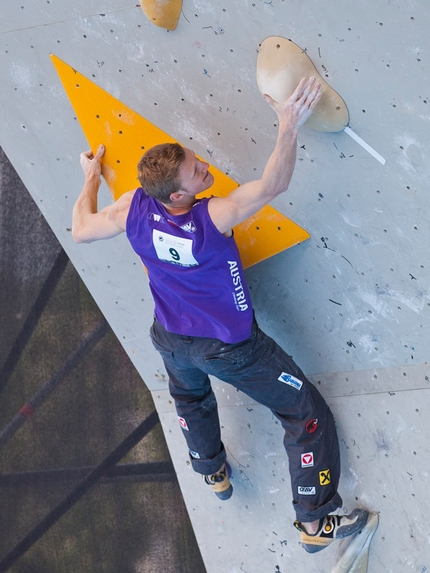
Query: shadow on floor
x: 67, y: 402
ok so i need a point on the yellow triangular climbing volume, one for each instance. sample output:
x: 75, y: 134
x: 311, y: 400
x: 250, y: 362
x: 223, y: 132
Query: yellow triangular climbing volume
x: 126, y: 135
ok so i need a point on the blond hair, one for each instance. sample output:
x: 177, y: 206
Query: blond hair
x: 158, y: 170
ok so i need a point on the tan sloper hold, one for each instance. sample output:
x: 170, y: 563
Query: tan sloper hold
x: 281, y: 65
x: 162, y: 13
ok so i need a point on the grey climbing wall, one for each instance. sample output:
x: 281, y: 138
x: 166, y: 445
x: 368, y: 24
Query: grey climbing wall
x: 352, y: 304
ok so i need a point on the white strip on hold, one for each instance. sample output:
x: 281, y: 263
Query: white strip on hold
x: 365, y: 146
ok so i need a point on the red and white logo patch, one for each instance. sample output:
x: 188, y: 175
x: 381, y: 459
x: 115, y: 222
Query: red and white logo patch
x: 183, y: 424
x: 307, y: 460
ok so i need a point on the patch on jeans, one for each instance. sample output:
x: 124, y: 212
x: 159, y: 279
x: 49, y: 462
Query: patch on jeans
x: 290, y: 380
x: 308, y: 460
x: 325, y: 477
x: 183, y: 424
x: 195, y: 455
x: 306, y: 490
x: 312, y: 425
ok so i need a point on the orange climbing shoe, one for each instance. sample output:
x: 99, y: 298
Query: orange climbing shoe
x: 332, y: 527
x: 220, y: 483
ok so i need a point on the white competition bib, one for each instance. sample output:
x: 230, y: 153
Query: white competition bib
x: 173, y: 249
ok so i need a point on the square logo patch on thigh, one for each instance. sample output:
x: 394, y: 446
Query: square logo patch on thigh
x: 290, y: 380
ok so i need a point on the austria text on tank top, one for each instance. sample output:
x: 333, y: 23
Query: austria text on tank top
x: 195, y: 273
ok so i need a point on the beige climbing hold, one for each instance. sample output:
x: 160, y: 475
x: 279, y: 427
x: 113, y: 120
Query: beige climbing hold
x: 281, y: 65
x: 162, y: 13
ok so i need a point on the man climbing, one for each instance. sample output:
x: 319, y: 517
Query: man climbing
x: 204, y: 323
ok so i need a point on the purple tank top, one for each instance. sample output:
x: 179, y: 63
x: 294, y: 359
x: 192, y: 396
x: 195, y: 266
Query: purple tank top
x: 195, y: 273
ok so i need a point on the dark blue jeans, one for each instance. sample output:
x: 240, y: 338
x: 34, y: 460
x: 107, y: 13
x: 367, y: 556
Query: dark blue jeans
x: 264, y: 371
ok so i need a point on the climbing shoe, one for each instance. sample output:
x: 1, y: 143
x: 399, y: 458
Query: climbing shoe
x: 332, y: 527
x: 220, y: 482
